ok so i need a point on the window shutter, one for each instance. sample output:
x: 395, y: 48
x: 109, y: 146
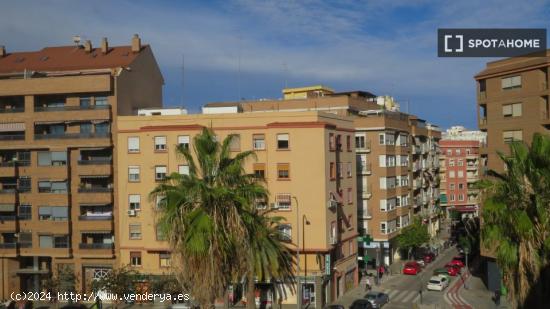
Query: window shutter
x: 516, y: 109
x: 382, y: 160
x: 133, y: 143
x: 382, y: 182
x: 183, y: 139
x: 60, y: 212
x: 507, y: 110
x: 134, y: 198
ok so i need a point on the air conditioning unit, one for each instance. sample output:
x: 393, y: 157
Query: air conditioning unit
x: 333, y: 240
x: 131, y: 213
x: 332, y: 204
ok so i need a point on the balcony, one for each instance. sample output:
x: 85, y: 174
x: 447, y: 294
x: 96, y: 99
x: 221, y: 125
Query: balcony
x: 95, y: 184
x: 71, y: 135
x: 69, y: 108
x: 364, y: 168
x: 95, y: 246
x: 12, y: 104
x: 96, y: 212
x: 12, y: 136
x: 366, y: 193
x: 367, y: 147
x: 96, y: 156
x: 8, y: 245
x: 482, y: 122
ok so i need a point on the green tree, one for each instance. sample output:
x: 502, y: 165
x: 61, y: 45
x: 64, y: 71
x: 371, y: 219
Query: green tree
x: 207, y: 214
x: 516, y: 218
x: 118, y: 281
x: 413, y: 236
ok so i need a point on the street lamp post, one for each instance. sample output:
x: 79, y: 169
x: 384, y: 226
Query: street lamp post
x: 466, y: 252
x: 298, y: 281
x: 304, y: 223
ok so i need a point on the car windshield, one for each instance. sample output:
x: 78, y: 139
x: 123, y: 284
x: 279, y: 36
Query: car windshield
x: 434, y: 281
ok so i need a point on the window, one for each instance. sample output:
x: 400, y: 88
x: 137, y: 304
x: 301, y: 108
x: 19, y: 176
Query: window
x: 133, y: 144
x: 282, y: 141
x: 460, y: 174
x: 135, y: 231
x: 53, y: 213
x: 461, y: 197
x: 259, y: 170
x: 85, y: 128
x: 46, y: 186
x: 235, y: 143
x: 403, y: 140
x: 381, y: 139
x: 133, y: 173
x: 468, y: 151
x: 164, y: 259
x: 339, y: 142
x: 331, y: 142
x: 24, y: 212
x: 258, y: 141
x: 460, y: 186
x: 160, y: 233
x: 51, y: 241
x: 283, y: 170
x: 285, y: 232
x: 451, y: 186
x: 135, y: 258
x: 102, y: 128
x: 451, y: 174
x: 452, y: 162
x: 348, y: 142
x: 101, y: 101
x: 383, y: 228
x: 261, y: 203
x: 511, y: 136
x: 449, y: 152
x: 339, y: 171
x: 458, y: 152
x: 284, y: 201
x: 511, y: 82
x: 183, y: 169
x: 134, y: 202
x: 349, y: 170
x: 332, y: 170
x: 183, y: 141
x: 160, y: 143
x: 160, y: 172
x: 460, y: 162
x: 452, y: 197
x: 52, y: 158
x: 360, y: 142
x: 482, y: 85
x: 350, y: 196
x: 85, y: 102
x: 25, y: 239
x: 512, y: 110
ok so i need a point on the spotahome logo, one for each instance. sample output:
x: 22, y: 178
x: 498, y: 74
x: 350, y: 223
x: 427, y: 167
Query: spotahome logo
x: 491, y: 42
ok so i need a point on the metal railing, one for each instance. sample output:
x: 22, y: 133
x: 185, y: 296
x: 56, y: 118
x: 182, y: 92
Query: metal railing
x: 8, y: 218
x: 95, y: 217
x: 70, y: 108
x: 9, y: 245
x: 99, y: 161
x: 12, y: 110
x: 95, y: 246
x: 15, y: 163
x: 95, y: 190
x: 13, y: 137
x: 71, y: 135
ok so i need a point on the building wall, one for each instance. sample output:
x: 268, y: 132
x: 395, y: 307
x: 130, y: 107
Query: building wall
x: 309, y: 158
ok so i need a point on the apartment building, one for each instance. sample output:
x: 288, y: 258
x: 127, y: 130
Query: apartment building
x: 389, y: 144
x: 57, y: 197
x: 460, y: 168
x: 306, y: 158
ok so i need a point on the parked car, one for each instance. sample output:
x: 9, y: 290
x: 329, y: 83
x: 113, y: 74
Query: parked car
x: 428, y: 257
x: 411, y: 268
x: 361, y: 304
x: 442, y: 272
x: 458, y: 263
x: 377, y: 299
x: 421, y: 262
x: 452, y: 270
x: 437, y: 283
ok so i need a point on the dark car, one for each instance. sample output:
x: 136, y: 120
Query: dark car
x: 334, y: 307
x: 361, y: 304
x: 377, y: 299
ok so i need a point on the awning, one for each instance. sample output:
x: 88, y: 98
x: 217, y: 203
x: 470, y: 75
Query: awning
x: 94, y: 176
x: 12, y: 127
x: 7, y: 207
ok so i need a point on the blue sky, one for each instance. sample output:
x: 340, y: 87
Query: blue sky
x: 382, y: 46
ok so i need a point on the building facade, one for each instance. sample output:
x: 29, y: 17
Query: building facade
x: 512, y: 105
x: 57, y: 190
x: 307, y: 159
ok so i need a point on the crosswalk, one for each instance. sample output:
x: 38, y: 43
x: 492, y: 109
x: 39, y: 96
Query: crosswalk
x: 402, y: 296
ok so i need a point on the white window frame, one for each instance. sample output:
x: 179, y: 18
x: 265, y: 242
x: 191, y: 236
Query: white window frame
x: 160, y: 143
x: 134, y: 199
x: 184, y: 140
x: 134, y: 168
x: 158, y: 171
x: 133, y: 144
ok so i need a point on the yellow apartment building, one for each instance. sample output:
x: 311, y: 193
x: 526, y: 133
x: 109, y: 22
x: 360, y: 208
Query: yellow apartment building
x: 307, y: 159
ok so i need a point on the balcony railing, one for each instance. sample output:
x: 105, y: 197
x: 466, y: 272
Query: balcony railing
x: 97, y: 161
x: 25, y: 245
x: 95, y: 190
x: 70, y: 108
x: 95, y: 246
x: 96, y: 217
x: 14, y: 137
x: 9, y: 245
x: 15, y: 163
x: 8, y: 218
x: 12, y: 110
x: 365, y: 168
x: 72, y: 135
x: 482, y: 121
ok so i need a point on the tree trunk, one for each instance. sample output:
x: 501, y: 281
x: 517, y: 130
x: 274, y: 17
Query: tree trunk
x: 250, y: 291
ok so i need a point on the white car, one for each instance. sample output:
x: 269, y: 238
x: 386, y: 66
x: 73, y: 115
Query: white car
x: 438, y: 283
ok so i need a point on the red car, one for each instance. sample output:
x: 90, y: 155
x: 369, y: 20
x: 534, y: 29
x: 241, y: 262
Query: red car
x: 428, y: 258
x: 456, y: 263
x: 411, y: 268
x: 452, y: 270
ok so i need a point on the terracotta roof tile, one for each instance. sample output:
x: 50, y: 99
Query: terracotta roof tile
x: 67, y: 58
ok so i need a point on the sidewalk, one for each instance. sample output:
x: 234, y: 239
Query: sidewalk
x: 359, y: 292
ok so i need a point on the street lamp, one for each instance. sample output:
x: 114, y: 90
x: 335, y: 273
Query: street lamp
x: 304, y: 223
x: 298, y: 281
x: 466, y: 252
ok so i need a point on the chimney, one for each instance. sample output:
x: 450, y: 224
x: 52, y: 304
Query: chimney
x: 136, y: 44
x: 88, y: 46
x: 2, y: 51
x: 104, y: 45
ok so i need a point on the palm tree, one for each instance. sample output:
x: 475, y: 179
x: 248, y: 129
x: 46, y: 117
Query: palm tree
x: 207, y: 214
x: 516, y: 217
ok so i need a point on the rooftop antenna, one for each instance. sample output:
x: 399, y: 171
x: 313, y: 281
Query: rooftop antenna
x: 76, y: 40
